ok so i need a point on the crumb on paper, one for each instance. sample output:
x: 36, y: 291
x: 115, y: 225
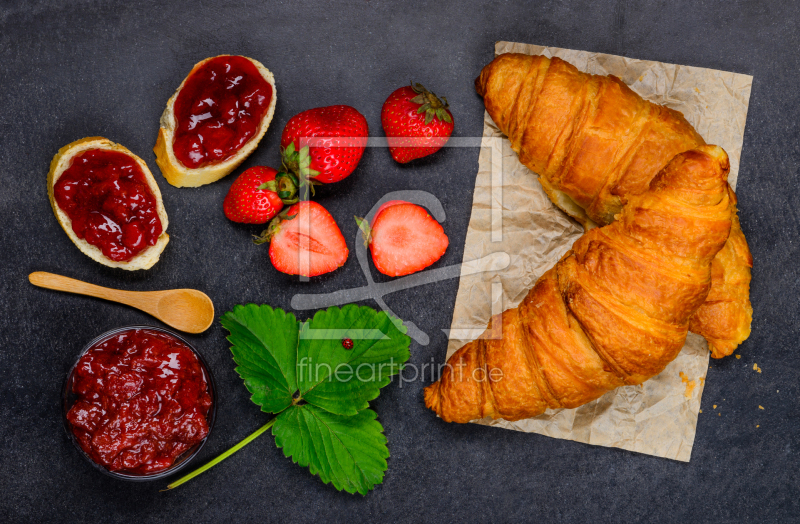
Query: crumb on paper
x: 756, y: 368
x: 702, y: 380
x: 760, y: 407
x: 689, y: 389
x: 738, y: 357
x: 690, y: 384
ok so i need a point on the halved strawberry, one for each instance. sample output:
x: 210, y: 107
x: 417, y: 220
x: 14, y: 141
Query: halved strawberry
x: 305, y: 240
x: 404, y: 238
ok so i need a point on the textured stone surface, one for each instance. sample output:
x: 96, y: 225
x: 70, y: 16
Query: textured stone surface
x: 101, y: 68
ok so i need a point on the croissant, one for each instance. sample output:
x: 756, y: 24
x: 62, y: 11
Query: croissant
x: 595, y: 143
x: 614, y: 310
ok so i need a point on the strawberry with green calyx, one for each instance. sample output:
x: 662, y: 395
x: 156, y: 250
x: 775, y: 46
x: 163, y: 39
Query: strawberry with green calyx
x: 403, y: 238
x: 305, y: 240
x: 259, y: 194
x: 417, y: 123
x: 324, y: 144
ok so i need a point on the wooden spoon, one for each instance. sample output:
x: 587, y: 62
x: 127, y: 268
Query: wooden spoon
x: 187, y: 310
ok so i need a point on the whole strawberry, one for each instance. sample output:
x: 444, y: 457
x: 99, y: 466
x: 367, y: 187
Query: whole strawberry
x: 254, y: 196
x: 324, y: 144
x: 416, y: 122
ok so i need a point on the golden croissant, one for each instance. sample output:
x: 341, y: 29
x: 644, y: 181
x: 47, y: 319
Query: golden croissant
x: 595, y: 143
x: 614, y: 310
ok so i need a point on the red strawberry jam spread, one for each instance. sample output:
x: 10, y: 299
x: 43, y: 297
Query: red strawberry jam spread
x: 141, y: 401
x: 218, y: 110
x: 106, y: 196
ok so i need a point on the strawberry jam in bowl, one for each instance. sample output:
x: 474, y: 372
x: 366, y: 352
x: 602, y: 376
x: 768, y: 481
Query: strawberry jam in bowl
x: 111, y: 206
x: 139, y: 403
x: 218, y: 110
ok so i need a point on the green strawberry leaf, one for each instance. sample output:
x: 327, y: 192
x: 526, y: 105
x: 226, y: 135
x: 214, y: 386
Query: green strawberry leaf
x: 319, y: 389
x: 342, y: 380
x: 347, y: 451
x: 264, y: 347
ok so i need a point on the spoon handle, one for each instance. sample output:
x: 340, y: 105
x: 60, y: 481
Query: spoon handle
x: 70, y: 285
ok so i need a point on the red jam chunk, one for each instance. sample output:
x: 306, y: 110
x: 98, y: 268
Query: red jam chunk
x: 141, y: 401
x: 106, y: 196
x: 218, y: 110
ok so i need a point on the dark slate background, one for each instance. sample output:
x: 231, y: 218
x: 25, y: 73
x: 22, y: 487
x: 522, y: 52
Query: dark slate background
x: 107, y: 68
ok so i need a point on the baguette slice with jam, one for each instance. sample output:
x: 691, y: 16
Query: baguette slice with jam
x: 111, y: 199
x: 214, y: 120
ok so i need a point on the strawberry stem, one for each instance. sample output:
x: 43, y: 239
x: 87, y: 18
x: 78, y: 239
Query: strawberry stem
x: 366, y: 231
x: 273, y: 227
x: 430, y: 104
x: 298, y: 163
x: 217, y: 460
x: 285, y: 185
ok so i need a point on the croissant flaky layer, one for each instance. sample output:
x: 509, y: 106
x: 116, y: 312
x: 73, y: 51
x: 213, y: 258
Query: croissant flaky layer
x: 614, y: 310
x: 595, y: 143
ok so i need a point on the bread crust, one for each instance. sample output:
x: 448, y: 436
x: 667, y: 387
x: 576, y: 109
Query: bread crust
x: 146, y: 258
x: 179, y: 175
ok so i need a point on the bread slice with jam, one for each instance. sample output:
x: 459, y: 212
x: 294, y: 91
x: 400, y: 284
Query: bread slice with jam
x: 143, y: 253
x: 215, y: 120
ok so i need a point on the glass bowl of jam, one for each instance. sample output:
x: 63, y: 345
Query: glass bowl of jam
x: 139, y: 403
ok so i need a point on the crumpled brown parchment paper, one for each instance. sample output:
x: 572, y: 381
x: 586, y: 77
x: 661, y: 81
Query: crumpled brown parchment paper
x: 512, y: 214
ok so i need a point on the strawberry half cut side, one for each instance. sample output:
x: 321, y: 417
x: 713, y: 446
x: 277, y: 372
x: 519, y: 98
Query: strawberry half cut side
x: 404, y: 238
x: 305, y: 240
